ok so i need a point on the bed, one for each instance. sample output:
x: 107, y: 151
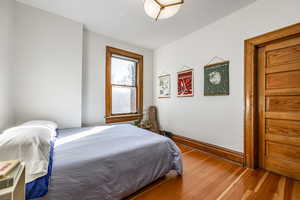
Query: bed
x: 104, y: 162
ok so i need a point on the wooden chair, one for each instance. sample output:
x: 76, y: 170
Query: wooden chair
x: 153, y: 119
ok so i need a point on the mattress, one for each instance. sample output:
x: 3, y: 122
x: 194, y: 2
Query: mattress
x: 109, y: 162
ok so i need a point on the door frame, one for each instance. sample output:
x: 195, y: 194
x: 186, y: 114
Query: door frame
x: 251, y: 133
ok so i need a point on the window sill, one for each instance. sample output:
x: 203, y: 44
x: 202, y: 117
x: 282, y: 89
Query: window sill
x: 123, y: 118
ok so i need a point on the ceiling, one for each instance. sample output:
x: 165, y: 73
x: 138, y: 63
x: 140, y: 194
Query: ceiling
x: 126, y: 20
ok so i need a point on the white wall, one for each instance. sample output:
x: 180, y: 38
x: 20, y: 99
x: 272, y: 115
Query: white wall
x: 7, y: 16
x: 48, y: 70
x: 216, y: 120
x: 93, y: 109
x: 48, y: 74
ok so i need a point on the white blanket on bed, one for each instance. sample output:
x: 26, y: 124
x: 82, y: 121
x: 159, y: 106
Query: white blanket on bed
x: 30, y: 144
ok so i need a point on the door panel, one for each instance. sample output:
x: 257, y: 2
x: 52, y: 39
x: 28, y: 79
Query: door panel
x: 283, y: 103
x: 283, y: 68
x: 283, y: 56
x: 283, y: 80
x: 282, y: 151
x: 285, y: 91
x: 283, y: 127
x: 283, y: 115
x: 286, y: 168
x: 293, y: 141
x: 279, y: 107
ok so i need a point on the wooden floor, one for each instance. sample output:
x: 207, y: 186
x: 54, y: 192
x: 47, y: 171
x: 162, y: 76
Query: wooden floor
x: 207, y: 177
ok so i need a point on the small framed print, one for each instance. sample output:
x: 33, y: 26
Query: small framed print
x: 164, y: 86
x: 216, y: 79
x: 185, y: 83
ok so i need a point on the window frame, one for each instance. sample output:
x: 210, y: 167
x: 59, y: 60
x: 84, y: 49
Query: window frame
x: 122, y: 117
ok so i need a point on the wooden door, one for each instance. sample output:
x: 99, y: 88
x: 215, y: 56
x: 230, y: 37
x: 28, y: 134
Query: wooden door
x: 279, y: 107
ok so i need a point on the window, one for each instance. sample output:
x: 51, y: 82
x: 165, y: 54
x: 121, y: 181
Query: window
x: 124, y: 85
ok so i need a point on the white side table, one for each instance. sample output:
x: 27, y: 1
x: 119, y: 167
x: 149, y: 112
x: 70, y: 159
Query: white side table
x: 17, y: 191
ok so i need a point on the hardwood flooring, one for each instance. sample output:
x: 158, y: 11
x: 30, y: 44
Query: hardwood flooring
x: 210, y: 178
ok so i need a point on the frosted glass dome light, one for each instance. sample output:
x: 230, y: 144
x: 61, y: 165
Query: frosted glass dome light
x: 162, y: 9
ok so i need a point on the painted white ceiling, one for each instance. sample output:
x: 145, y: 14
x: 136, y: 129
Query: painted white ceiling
x: 126, y: 20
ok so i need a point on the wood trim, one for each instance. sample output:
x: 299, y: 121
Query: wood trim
x: 280, y: 34
x: 222, y: 152
x: 251, y: 94
x: 250, y: 139
x: 283, y: 44
x: 110, y: 118
x: 122, y: 52
x: 124, y: 118
x: 123, y: 114
x: 261, y: 104
x: 120, y: 85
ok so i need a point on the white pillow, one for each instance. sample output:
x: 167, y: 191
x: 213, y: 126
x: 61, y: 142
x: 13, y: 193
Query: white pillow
x: 30, y: 144
x: 44, y: 123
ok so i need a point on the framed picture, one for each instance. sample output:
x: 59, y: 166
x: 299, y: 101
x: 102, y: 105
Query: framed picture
x: 216, y: 79
x: 185, y: 83
x: 164, y: 86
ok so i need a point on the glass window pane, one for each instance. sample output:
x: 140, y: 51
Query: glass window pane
x: 123, y: 100
x: 123, y: 71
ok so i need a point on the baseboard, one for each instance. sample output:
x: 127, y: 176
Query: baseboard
x: 210, y: 148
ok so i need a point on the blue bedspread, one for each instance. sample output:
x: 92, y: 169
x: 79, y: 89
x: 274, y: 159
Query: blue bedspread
x: 39, y: 187
x: 109, y: 162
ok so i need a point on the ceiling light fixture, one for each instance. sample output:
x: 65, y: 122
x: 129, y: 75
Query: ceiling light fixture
x: 162, y: 9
